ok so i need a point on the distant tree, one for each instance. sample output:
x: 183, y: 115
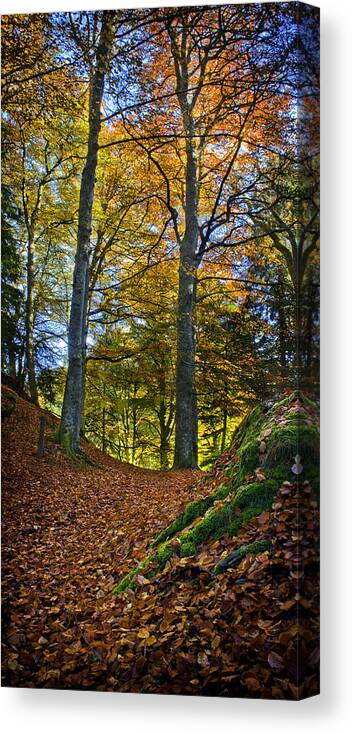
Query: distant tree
x: 11, y: 293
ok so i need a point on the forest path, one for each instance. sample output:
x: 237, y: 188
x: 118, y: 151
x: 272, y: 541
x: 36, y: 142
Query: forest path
x: 68, y: 535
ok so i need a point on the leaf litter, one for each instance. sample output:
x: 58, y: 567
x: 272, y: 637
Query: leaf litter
x: 70, y: 533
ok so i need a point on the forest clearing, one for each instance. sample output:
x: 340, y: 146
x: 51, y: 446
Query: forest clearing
x: 160, y: 350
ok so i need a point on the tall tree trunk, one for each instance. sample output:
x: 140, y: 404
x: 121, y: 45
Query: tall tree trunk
x: 134, y: 425
x: 81, y: 426
x: 281, y: 321
x: 71, y: 415
x: 30, y: 221
x: 186, y: 419
x: 29, y: 323
x: 309, y: 318
x: 185, y: 453
x: 104, y: 444
x: 163, y: 449
x: 165, y: 418
x: 12, y: 360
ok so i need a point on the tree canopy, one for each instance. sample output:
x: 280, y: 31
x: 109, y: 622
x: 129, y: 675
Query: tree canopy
x: 160, y: 220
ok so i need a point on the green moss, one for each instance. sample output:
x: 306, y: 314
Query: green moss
x: 128, y: 581
x: 163, y: 554
x: 154, y: 562
x: 256, y: 494
x: 296, y: 437
x: 231, y: 470
x: 66, y: 442
x: 187, y: 548
x: 312, y: 474
x: 201, y: 520
x: 243, y: 518
x: 281, y: 472
x: 308, y: 402
x: 253, y: 549
x: 247, y: 426
x: 193, y: 510
x: 285, y: 401
x: 251, y: 499
x: 214, y: 524
x: 249, y: 456
x: 246, y: 440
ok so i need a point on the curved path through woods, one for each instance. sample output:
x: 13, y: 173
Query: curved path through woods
x: 68, y: 535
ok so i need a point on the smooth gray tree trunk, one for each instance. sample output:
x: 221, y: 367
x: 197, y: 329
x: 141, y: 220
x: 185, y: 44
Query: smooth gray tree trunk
x: 186, y: 439
x: 72, y: 409
x: 186, y: 420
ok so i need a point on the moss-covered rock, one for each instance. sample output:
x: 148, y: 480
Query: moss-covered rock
x: 297, y: 437
x: 193, y: 510
x: 255, y: 494
x: 260, y: 458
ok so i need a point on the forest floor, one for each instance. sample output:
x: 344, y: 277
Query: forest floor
x: 68, y: 534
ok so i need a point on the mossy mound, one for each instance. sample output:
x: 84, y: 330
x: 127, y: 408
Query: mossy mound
x: 274, y: 444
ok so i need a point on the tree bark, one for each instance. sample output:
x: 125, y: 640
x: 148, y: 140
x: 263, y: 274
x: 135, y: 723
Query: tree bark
x: 281, y: 321
x: 29, y: 324
x: 74, y: 391
x: 104, y: 443
x: 30, y: 221
x: 185, y: 453
x: 186, y: 438
x: 134, y: 425
x: 165, y: 417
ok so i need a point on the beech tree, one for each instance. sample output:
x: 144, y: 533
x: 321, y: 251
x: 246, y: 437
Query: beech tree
x: 74, y: 390
x: 38, y: 146
x: 216, y: 95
